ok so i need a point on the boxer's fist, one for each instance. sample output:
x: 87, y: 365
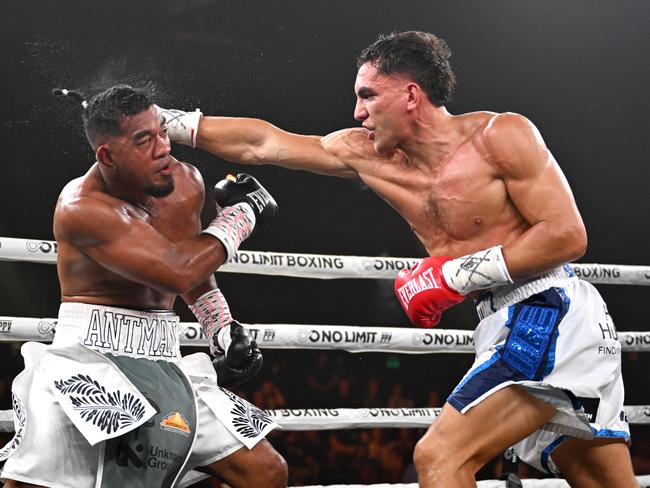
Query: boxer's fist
x: 246, y: 189
x: 423, y: 292
x: 182, y: 127
x: 241, y: 360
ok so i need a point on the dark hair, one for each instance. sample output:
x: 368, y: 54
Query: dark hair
x: 105, y: 111
x: 420, y: 55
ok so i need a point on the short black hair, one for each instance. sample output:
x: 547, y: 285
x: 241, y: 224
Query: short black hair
x: 421, y: 55
x: 105, y: 111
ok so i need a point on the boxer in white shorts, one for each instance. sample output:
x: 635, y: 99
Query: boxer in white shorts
x: 490, y: 205
x: 111, y: 403
x: 176, y: 419
x: 554, y: 337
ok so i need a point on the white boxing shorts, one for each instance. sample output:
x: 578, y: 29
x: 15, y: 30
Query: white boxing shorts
x: 111, y: 403
x: 553, y: 336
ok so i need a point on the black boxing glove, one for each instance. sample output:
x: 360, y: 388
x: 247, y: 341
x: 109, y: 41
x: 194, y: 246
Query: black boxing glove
x: 240, y: 358
x: 246, y: 189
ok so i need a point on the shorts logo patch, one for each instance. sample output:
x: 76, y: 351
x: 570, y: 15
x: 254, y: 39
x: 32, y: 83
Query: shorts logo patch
x: 590, y: 407
x: 175, y: 422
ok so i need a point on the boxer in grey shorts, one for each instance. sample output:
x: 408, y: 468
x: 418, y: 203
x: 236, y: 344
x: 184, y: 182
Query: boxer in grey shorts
x: 111, y: 402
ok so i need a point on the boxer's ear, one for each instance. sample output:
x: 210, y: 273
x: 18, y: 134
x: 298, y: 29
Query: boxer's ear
x: 103, y: 155
x: 414, y: 96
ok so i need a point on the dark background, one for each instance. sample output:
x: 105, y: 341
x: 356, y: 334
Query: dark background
x: 578, y: 69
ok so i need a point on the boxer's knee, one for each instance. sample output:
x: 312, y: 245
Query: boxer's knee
x: 432, y: 452
x: 269, y: 468
x: 260, y: 467
x: 275, y: 470
x: 438, y: 452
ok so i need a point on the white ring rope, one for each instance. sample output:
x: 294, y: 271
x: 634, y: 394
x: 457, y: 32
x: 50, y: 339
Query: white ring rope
x: 349, y: 338
x: 298, y: 336
x: 359, y: 418
x: 363, y: 418
x: 324, y: 266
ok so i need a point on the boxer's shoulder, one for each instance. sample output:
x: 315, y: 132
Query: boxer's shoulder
x: 513, y: 144
x: 500, y: 130
x: 188, y: 172
x: 87, y: 184
x: 84, y: 208
x: 354, y: 148
x: 88, y: 207
x: 349, y: 141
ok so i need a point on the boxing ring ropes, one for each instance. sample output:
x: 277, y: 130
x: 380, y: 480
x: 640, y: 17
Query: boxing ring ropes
x: 349, y: 338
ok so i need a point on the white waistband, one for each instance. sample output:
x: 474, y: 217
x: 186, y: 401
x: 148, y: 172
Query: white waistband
x: 120, y: 331
x: 504, y: 296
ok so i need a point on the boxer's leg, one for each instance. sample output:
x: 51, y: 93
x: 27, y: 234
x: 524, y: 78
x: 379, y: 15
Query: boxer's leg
x: 220, y: 450
x: 457, y: 445
x: 596, y: 463
x: 261, y: 467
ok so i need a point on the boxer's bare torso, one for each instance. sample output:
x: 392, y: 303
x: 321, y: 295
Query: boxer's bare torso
x: 90, y: 279
x: 456, y: 203
x: 463, y: 183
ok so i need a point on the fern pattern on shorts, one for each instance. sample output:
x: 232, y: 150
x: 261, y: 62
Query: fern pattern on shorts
x: 109, y: 411
x: 21, y: 416
x: 249, y: 420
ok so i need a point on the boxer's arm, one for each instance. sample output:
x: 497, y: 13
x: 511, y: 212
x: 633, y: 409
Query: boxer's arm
x: 203, y: 288
x: 236, y: 355
x: 134, y: 249
x: 347, y: 153
x: 540, y: 192
x: 197, y: 184
x: 253, y: 141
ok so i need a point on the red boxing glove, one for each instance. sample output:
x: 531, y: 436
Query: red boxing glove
x: 424, y: 293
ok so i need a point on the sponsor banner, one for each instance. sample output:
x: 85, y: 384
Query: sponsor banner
x: 351, y: 418
x: 362, y: 339
x: 191, y: 334
x: 348, y: 338
x: 317, y: 265
x: 299, y: 336
x: 336, y: 418
x: 613, y: 274
x: 359, y: 418
x: 634, y: 341
x: 5, y: 326
x: 321, y: 266
x: 637, y: 414
x: 26, y: 329
x: 31, y: 250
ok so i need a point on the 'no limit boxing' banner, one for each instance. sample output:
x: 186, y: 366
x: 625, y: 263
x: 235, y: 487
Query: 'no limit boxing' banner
x: 326, y: 337
x: 321, y: 266
x: 360, y: 418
